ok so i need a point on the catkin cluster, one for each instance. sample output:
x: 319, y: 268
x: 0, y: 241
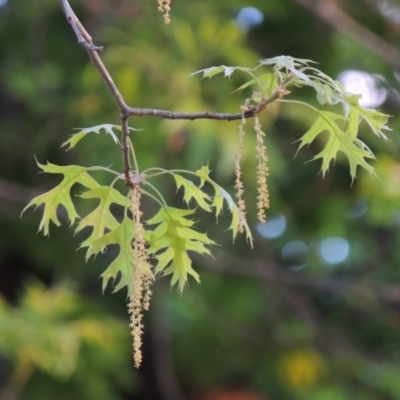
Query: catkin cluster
x: 262, y: 173
x: 142, y: 278
x: 164, y: 6
x: 239, y: 187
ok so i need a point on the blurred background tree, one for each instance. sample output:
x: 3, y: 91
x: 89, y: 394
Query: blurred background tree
x: 311, y: 313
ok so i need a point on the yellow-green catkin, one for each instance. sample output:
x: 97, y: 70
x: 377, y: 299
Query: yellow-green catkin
x: 262, y: 172
x: 142, y: 278
x: 164, y: 6
x: 239, y: 187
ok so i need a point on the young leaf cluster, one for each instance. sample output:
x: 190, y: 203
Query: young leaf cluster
x: 342, y: 126
x: 168, y: 243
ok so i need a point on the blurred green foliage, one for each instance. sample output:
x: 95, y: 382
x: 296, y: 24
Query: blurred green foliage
x: 283, y: 323
x: 53, y: 331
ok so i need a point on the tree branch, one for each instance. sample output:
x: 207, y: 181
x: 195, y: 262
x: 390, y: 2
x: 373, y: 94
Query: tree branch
x: 148, y: 112
x: 125, y: 111
x: 83, y: 37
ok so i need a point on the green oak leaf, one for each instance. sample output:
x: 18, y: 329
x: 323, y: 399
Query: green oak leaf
x: 209, y: 72
x: 220, y: 195
x: 326, y: 94
x: 228, y: 71
x: 101, y: 217
x: 124, y: 263
x: 77, y: 137
x: 269, y: 83
x: 355, y: 150
x: 287, y: 62
x: 171, y: 240
x: 295, y: 66
x: 376, y: 120
x: 61, y: 195
x: 107, y: 128
x: 191, y: 191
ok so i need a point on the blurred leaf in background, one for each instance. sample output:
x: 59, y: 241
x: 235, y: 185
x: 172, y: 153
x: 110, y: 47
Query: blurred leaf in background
x: 50, y: 331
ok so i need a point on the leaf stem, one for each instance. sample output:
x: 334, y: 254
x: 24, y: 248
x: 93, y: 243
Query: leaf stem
x: 298, y: 102
x: 157, y: 192
x: 134, y: 156
x: 126, y: 145
x: 153, y: 197
x: 99, y: 168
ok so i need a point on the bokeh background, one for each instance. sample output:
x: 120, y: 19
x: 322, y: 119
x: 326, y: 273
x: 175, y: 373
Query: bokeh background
x: 312, y: 312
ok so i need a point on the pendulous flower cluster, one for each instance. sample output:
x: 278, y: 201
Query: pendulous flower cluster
x: 262, y: 172
x: 164, y: 6
x: 142, y: 278
x: 239, y: 187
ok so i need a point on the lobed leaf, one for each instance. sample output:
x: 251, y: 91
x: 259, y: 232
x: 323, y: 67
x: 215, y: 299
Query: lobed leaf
x: 288, y: 62
x: 269, y: 82
x: 61, y: 195
x: 228, y: 71
x: 220, y: 195
x: 355, y: 150
x: 191, y: 191
x: 124, y: 263
x: 376, y: 120
x: 101, y: 217
x: 171, y: 240
x: 107, y: 128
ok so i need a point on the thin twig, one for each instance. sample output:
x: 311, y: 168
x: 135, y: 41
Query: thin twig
x: 147, y: 112
x: 82, y: 35
x: 251, y: 111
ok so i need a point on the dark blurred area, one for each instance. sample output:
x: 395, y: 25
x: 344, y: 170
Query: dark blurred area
x: 311, y: 313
